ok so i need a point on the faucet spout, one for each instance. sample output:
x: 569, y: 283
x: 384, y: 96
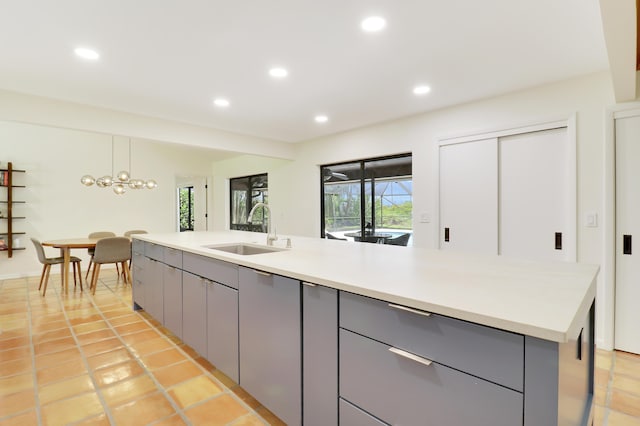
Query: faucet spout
x: 265, y: 206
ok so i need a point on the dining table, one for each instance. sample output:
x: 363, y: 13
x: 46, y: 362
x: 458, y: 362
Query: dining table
x: 369, y: 237
x: 65, y: 245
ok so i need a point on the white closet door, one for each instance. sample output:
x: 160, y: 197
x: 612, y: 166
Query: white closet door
x: 536, y: 211
x: 627, y: 311
x: 469, y: 197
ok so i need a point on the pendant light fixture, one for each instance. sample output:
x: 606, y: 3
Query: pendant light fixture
x: 122, y: 180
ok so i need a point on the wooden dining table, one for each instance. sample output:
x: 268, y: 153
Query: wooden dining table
x: 65, y: 245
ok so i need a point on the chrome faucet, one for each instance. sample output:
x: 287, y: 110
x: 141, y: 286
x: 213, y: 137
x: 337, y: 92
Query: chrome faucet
x: 270, y: 238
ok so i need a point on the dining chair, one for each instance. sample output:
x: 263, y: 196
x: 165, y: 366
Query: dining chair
x: 401, y: 240
x: 48, y: 261
x: 111, y: 250
x: 135, y: 231
x: 98, y: 234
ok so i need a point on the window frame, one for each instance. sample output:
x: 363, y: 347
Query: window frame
x: 264, y: 195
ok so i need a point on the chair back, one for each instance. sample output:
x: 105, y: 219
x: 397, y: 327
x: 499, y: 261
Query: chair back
x: 401, y: 240
x: 102, y: 234
x: 39, y: 250
x: 135, y: 231
x: 112, y: 250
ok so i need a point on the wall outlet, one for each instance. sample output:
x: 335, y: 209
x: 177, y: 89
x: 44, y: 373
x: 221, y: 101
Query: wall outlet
x: 591, y: 220
x: 425, y: 217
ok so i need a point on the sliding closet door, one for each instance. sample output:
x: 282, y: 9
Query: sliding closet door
x: 469, y: 197
x: 627, y: 314
x: 537, y: 217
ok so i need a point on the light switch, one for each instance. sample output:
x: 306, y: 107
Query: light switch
x: 425, y: 217
x: 591, y: 220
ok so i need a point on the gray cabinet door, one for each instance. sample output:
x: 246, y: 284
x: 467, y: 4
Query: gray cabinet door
x: 320, y: 355
x: 154, y: 290
x: 172, y: 279
x: 194, y: 312
x: 270, y: 342
x: 222, y: 329
x: 138, y: 268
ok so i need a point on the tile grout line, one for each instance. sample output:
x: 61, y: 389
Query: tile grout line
x: 33, y: 355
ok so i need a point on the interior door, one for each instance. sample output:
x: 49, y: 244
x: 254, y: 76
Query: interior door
x: 469, y: 196
x: 537, y: 220
x: 627, y: 299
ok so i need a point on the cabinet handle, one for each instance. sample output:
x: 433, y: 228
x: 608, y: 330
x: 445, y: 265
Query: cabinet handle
x: 410, y: 356
x: 266, y: 274
x: 309, y: 284
x: 413, y: 311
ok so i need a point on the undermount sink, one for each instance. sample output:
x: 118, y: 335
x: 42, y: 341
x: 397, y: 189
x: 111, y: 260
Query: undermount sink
x: 243, y: 249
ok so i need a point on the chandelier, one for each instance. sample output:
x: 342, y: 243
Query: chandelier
x: 121, y: 181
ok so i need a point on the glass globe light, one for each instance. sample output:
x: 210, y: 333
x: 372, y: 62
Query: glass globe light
x: 119, y: 188
x: 100, y: 183
x: 108, y: 180
x: 123, y: 176
x: 151, y: 184
x: 138, y: 183
x: 132, y: 184
x: 87, y: 180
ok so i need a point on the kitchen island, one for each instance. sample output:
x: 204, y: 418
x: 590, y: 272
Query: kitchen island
x: 334, y: 332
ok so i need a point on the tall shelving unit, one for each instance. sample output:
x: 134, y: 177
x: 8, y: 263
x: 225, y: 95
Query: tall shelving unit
x: 8, y: 201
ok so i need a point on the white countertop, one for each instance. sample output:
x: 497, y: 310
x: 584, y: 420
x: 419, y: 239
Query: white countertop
x: 545, y: 300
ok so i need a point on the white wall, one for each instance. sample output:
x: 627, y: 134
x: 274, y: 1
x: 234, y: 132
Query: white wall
x: 59, y: 206
x: 586, y: 96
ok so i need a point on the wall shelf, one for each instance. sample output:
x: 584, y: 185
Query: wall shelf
x: 6, y: 181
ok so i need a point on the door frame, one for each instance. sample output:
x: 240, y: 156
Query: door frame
x: 569, y: 123
x: 606, y: 293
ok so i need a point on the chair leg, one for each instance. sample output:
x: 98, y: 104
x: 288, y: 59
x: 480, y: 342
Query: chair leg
x: 118, y: 271
x: 89, y: 268
x: 44, y: 269
x: 79, y: 274
x: 46, y: 279
x: 75, y: 279
x: 96, y: 272
x: 127, y: 273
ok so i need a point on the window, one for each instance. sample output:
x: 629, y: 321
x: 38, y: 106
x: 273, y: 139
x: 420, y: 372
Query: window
x: 245, y: 193
x: 185, y: 195
x: 368, y: 200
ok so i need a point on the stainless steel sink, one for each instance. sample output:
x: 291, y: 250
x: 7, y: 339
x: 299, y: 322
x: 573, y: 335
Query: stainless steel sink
x: 243, y: 249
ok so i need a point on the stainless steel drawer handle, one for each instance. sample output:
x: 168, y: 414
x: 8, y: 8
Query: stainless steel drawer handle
x: 266, y: 274
x: 414, y: 311
x: 410, y: 356
x: 308, y: 284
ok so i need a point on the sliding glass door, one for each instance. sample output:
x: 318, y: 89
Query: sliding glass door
x: 368, y: 200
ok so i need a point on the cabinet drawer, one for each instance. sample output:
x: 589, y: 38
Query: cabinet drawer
x: 216, y: 270
x: 494, y: 355
x: 350, y: 415
x: 137, y: 246
x: 399, y: 390
x: 154, y: 251
x: 172, y: 257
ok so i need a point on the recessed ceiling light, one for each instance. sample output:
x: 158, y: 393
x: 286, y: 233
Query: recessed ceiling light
x: 321, y: 118
x: 278, y: 72
x: 373, y: 24
x: 85, y: 53
x: 421, y: 90
x: 221, y: 102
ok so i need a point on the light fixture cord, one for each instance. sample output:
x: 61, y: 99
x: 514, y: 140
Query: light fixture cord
x: 130, y: 159
x: 112, y: 154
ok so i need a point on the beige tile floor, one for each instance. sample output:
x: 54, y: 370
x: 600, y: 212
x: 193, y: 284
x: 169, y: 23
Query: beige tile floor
x: 75, y: 359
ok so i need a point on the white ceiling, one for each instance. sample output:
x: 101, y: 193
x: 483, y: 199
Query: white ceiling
x: 170, y: 58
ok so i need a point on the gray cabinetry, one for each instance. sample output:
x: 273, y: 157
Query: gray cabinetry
x: 485, y: 352
x: 172, y: 280
x: 153, y: 289
x: 222, y: 329
x: 400, y: 390
x: 138, y: 269
x: 270, y: 342
x: 194, y: 312
x: 320, y: 355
